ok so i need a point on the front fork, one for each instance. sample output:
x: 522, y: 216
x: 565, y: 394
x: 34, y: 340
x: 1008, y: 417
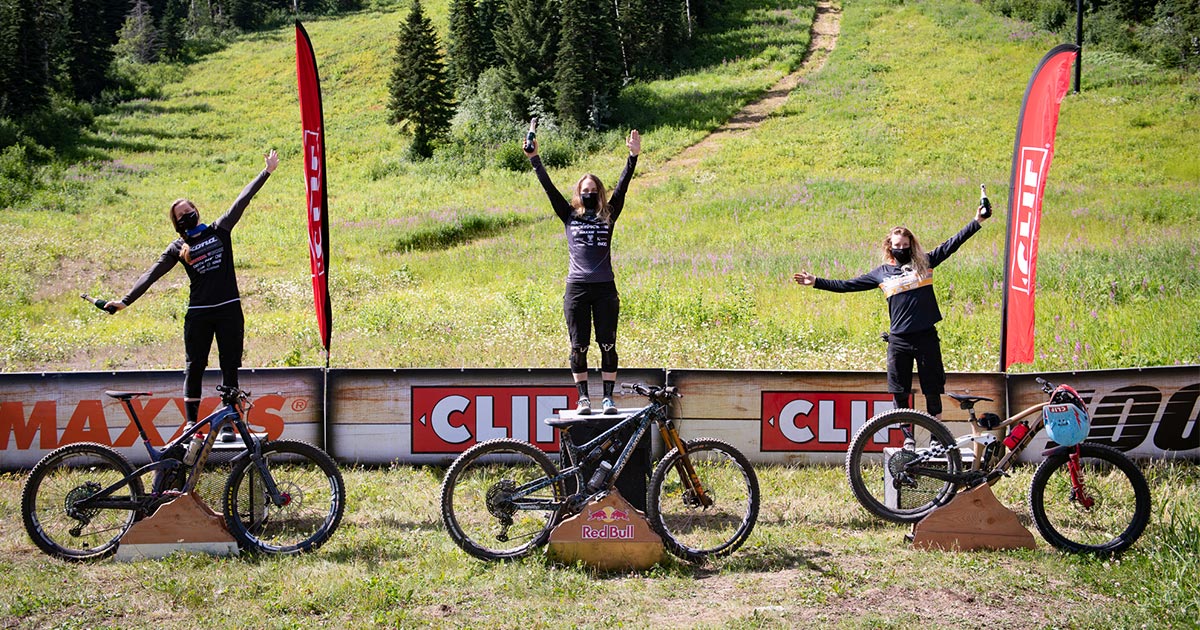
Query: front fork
x: 687, y: 472
x: 1079, y: 493
x: 254, y: 448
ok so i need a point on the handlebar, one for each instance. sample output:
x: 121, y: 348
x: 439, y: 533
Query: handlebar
x: 232, y: 395
x: 653, y: 392
x: 1047, y: 386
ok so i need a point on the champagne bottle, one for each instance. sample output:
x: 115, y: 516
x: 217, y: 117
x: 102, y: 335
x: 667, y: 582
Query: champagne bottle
x: 983, y: 201
x: 531, y: 135
x: 98, y: 303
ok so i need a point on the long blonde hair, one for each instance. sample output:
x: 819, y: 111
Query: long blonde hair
x: 920, y: 262
x: 185, y: 253
x: 604, y: 211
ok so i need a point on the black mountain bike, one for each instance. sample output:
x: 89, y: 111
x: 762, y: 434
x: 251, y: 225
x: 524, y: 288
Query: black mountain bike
x: 502, y: 498
x: 281, y: 497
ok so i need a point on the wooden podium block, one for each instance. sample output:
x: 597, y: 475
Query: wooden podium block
x: 972, y: 520
x: 609, y: 534
x: 185, y: 524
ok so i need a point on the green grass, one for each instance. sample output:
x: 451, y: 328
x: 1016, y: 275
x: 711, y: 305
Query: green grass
x: 815, y: 558
x: 460, y: 263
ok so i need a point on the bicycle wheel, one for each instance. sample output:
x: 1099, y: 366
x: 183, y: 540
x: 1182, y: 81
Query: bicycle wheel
x: 689, y: 530
x: 904, y: 495
x: 58, y: 482
x: 483, y: 505
x: 314, y: 499
x: 1119, y: 498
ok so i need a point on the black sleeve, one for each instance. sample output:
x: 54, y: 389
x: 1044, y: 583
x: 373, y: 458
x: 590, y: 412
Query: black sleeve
x: 561, y: 207
x: 234, y: 213
x: 160, y: 268
x: 943, y: 251
x: 864, y: 282
x: 617, y: 201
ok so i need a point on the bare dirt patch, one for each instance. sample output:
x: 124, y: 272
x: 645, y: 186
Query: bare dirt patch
x: 822, y: 39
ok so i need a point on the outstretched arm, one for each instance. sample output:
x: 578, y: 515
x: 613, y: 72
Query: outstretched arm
x: 617, y: 201
x: 234, y: 214
x: 561, y: 207
x: 944, y: 251
x: 862, y: 283
x: 160, y: 268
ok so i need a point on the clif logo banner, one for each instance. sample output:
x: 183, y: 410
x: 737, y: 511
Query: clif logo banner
x: 453, y: 419
x: 1033, y: 151
x: 817, y: 421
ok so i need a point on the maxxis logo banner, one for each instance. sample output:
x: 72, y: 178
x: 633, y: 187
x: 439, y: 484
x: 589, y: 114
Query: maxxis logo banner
x: 816, y: 421
x: 449, y: 420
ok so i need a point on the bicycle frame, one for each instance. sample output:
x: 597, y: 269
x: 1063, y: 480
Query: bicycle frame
x: 231, y: 413
x: 653, y: 412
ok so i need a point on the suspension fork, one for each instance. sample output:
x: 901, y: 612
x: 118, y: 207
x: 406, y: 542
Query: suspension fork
x: 254, y: 449
x: 687, y: 472
x: 1079, y: 492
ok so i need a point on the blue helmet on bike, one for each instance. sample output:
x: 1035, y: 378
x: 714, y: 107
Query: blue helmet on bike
x: 1066, y: 419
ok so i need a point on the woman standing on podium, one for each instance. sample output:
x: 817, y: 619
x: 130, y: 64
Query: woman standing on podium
x: 591, y: 292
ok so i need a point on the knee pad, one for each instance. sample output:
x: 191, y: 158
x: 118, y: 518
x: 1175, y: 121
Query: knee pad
x: 608, y: 357
x: 579, y: 360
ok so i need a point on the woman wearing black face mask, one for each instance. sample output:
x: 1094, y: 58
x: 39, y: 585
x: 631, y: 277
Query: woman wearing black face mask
x: 591, y: 294
x: 906, y: 278
x: 214, y: 308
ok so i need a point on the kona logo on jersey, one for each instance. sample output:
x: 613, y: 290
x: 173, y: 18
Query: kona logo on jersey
x: 452, y: 419
x: 816, y: 421
x: 100, y: 421
x: 1029, y: 210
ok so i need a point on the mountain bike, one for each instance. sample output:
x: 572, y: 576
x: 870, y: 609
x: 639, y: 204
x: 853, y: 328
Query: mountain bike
x: 502, y: 498
x: 1084, y: 498
x: 281, y: 496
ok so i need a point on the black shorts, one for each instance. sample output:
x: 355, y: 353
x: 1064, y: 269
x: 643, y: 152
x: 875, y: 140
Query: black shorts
x: 923, y: 348
x: 587, y: 302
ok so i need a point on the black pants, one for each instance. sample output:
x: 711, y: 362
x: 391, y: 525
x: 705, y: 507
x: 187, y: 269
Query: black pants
x: 925, y: 349
x: 199, y: 327
x: 587, y: 302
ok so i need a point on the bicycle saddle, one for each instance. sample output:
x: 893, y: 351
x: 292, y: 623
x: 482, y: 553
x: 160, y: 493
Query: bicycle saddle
x: 966, y: 402
x: 126, y: 395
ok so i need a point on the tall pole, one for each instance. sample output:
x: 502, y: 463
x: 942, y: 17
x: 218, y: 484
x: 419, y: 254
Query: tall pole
x: 1079, y: 42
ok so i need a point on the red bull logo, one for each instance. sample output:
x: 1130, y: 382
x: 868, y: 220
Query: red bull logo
x: 607, y: 515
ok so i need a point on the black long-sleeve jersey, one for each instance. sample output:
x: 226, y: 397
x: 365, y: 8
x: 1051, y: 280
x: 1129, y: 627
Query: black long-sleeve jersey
x: 912, y: 303
x: 589, y: 238
x: 211, y: 272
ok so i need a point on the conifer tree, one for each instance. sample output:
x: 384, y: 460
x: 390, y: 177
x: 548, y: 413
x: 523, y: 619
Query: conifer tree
x: 528, y: 44
x: 421, y: 98
x: 94, y: 25
x: 138, y: 38
x: 490, y: 17
x: 464, y: 59
x: 588, y: 66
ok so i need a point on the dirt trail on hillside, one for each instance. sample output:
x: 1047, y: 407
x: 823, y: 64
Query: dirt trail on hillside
x: 822, y: 38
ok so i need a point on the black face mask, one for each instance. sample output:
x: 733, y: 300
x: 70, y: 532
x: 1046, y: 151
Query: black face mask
x: 187, y: 221
x: 591, y: 200
x: 903, y: 256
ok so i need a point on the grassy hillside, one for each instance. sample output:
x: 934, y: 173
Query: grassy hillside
x: 915, y: 108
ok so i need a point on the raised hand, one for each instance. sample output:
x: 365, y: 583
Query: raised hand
x: 804, y: 279
x: 272, y: 160
x: 634, y: 142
